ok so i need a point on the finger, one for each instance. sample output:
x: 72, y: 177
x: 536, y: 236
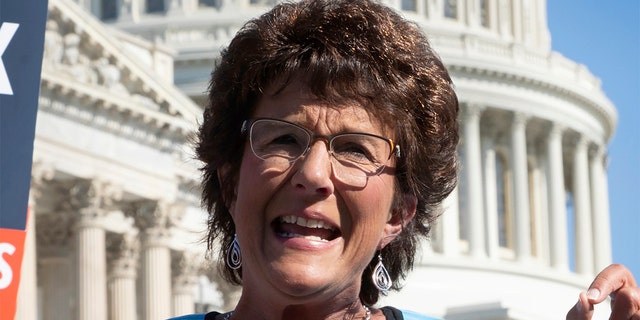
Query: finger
x: 582, y: 310
x: 608, y: 281
x: 626, y: 304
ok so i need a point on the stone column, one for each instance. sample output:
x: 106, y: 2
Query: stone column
x: 421, y: 8
x: 490, y: 197
x: 600, y: 203
x: 123, y: 254
x: 175, y: 7
x: 28, y: 290
x: 462, y: 11
x: 543, y: 35
x: 473, y: 173
x: 450, y: 239
x: 154, y: 220
x: 56, y: 277
x: 130, y: 10
x: 55, y: 265
x: 185, y: 267
x: 471, y: 13
x: 582, y: 209
x: 493, y: 15
x: 434, y: 9
x: 559, y: 255
x: 517, y: 20
x: 91, y: 200
x: 521, y: 187
x: 41, y: 175
x: 92, y: 290
x: 505, y: 21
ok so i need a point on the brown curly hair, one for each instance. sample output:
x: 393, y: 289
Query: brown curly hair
x: 348, y: 50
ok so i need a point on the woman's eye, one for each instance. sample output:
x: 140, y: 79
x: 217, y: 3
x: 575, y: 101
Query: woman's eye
x: 284, y: 140
x: 353, y: 151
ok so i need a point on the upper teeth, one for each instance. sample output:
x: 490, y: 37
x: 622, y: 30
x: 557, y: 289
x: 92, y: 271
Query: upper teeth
x: 309, y: 223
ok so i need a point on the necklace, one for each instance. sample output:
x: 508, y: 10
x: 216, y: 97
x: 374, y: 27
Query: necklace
x: 367, y: 312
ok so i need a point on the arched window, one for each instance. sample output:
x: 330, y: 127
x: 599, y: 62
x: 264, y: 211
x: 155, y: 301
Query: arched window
x: 451, y: 9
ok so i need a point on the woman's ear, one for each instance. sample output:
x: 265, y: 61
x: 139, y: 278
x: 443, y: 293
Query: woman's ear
x: 399, y: 218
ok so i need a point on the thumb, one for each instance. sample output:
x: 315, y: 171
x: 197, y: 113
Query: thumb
x: 609, y: 281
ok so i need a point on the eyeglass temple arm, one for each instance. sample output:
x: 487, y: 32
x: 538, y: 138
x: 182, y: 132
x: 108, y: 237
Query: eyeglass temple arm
x: 244, y: 128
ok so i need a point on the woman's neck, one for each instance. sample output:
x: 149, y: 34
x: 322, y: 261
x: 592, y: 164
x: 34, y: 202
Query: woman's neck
x: 333, y: 309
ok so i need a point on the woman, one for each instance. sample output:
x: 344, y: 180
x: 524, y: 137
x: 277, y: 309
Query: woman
x: 328, y: 143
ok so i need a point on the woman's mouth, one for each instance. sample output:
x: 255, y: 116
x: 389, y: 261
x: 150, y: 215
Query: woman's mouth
x: 310, y: 229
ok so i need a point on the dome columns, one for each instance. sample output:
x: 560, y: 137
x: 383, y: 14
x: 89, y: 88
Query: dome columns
x: 559, y: 250
x: 511, y: 201
x: 600, y: 205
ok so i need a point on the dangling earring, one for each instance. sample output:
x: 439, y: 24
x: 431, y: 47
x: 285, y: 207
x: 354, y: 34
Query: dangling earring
x: 380, y: 276
x: 234, y: 257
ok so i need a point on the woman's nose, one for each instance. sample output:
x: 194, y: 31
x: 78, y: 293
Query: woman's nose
x: 313, y: 172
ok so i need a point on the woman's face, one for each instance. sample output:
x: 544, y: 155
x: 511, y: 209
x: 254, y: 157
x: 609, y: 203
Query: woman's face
x: 345, y: 225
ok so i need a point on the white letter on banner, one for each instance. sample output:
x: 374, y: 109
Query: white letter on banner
x: 6, y: 274
x: 7, y: 30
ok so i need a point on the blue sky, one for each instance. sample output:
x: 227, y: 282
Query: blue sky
x: 605, y: 36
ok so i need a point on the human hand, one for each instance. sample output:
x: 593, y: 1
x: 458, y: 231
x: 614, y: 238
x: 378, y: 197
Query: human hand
x: 617, y: 282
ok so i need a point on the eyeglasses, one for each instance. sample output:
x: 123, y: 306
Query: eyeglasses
x: 354, y: 156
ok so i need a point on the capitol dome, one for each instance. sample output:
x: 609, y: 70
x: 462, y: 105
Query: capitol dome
x: 115, y: 195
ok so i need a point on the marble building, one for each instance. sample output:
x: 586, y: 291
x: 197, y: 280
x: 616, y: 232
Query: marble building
x: 115, y: 222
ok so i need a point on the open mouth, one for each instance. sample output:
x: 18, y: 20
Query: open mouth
x: 310, y: 229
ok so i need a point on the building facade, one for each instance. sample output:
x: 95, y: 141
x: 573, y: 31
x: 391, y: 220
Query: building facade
x: 115, y: 222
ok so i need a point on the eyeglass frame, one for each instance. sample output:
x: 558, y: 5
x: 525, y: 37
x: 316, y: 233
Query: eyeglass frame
x: 247, y: 127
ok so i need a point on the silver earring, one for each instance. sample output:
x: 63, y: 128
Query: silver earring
x: 234, y: 257
x: 380, y: 276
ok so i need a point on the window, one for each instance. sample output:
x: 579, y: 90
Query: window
x: 155, y: 6
x: 208, y: 3
x: 484, y: 13
x: 504, y: 215
x: 451, y: 9
x: 108, y: 9
x: 409, y: 5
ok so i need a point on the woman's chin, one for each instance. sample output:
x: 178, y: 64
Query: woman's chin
x: 304, y: 266
x: 303, y: 282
